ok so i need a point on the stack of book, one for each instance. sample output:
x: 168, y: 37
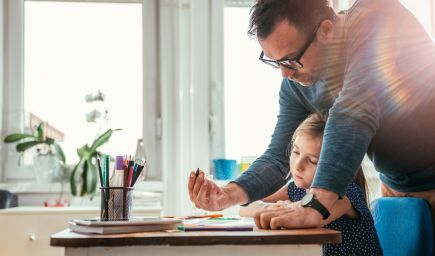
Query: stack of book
x: 95, y: 226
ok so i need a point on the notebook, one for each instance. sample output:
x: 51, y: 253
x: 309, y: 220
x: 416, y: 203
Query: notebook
x: 219, y: 224
x: 95, y: 226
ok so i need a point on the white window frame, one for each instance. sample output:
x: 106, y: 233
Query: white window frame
x: 186, y: 78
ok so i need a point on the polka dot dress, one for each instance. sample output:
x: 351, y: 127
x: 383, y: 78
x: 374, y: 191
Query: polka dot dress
x: 358, y: 235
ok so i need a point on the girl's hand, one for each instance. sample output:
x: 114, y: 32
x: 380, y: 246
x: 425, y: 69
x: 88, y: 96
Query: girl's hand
x: 281, y: 204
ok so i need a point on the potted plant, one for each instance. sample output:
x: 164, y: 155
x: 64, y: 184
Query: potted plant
x: 84, y: 172
x: 44, y: 144
x: 49, y: 161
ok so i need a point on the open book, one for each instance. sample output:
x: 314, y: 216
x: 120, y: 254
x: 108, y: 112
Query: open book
x: 95, y: 226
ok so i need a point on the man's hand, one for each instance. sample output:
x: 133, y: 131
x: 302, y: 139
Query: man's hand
x: 292, y: 216
x: 207, y: 195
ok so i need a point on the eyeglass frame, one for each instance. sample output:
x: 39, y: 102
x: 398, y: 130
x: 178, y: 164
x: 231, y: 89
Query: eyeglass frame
x: 297, y: 59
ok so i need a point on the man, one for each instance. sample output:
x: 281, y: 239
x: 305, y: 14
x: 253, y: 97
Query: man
x: 373, y: 69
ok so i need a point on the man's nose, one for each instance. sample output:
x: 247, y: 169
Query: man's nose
x: 286, y: 72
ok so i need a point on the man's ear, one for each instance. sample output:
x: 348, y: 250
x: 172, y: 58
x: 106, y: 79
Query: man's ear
x: 325, y: 33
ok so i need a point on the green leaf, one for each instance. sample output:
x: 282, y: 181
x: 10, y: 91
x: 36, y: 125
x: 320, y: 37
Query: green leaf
x: 26, y: 145
x: 91, y: 178
x: 49, y: 140
x: 59, y: 153
x: 103, y: 138
x: 16, y: 137
x: 84, y: 176
x: 84, y: 152
x: 97, y: 154
x: 72, y: 181
x: 40, y: 132
x: 77, y: 170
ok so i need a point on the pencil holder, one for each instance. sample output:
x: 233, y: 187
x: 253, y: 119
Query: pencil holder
x: 116, y: 203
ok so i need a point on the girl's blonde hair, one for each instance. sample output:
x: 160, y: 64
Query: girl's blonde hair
x: 314, y: 126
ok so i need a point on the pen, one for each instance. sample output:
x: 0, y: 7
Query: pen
x: 197, y: 173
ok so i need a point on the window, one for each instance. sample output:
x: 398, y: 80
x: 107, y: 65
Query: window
x: 75, y: 49
x: 57, y: 52
x: 251, y: 89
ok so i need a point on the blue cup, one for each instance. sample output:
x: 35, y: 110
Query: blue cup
x: 224, y: 169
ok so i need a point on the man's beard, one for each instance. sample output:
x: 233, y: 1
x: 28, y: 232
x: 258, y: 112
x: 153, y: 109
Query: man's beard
x: 319, y: 72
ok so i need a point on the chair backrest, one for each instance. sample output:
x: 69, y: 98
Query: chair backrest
x: 8, y: 199
x: 404, y: 226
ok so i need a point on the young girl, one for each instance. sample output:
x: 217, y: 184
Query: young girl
x: 354, y: 219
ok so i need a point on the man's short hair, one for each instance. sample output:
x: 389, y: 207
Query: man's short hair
x: 305, y: 15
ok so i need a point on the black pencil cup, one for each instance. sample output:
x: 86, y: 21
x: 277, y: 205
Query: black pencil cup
x: 116, y: 203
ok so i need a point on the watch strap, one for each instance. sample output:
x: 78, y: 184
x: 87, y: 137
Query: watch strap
x: 315, y: 204
x: 320, y: 208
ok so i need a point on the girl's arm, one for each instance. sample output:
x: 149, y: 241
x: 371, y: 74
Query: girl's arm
x: 267, y: 202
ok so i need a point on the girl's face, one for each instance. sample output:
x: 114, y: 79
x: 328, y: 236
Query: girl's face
x: 303, y: 159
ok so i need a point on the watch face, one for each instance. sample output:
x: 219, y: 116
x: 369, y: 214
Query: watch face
x: 307, y: 199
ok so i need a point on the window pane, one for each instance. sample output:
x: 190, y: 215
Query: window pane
x: 251, y: 89
x: 75, y: 49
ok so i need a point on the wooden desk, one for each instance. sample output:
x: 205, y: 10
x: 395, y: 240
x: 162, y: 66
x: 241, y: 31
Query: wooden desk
x: 219, y: 243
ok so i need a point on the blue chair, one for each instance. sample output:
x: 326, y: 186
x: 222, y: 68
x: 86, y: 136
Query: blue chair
x: 404, y: 226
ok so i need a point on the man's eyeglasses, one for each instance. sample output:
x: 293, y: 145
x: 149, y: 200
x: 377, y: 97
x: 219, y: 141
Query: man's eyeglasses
x: 290, y: 63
